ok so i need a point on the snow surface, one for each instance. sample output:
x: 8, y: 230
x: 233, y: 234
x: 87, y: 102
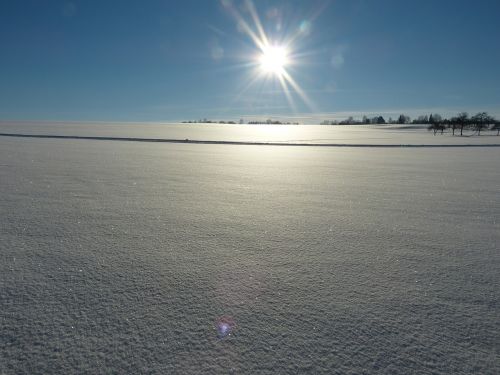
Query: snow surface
x: 124, y: 257
x: 303, y: 134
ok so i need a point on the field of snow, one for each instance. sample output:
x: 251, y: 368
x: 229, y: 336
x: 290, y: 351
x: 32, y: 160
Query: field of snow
x: 291, y: 134
x: 126, y: 257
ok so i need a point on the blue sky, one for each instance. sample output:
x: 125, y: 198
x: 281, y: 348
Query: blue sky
x: 173, y: 60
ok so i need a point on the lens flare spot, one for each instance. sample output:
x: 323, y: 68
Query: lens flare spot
x: 224, y: 325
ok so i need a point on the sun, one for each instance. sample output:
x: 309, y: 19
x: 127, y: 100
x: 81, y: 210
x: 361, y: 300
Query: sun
x: 273, y: 59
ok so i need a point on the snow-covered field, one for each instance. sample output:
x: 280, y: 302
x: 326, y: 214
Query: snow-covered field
x: 121, y: 257
x: 303, y: 134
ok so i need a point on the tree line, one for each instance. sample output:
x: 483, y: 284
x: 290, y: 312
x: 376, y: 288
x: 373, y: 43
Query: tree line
x: 479, y: 122
x: 255, y: 122
x: 436, y: 123
x: 365, y: 121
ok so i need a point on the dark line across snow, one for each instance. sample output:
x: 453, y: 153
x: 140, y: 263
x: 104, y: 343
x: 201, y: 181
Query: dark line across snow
x: 240, y: 143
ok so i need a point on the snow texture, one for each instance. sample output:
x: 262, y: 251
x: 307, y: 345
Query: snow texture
x: 123, y: 257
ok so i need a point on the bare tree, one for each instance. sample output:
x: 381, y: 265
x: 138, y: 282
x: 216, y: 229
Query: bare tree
x: 481, y: 121
x: 496, y: 126
x: 436, y: 123
x: 403, y: 119
x: 421, y: 120
x: 435, y: 117
x: 453, y: 124
x: 463, y: 121
x: 436, y: 126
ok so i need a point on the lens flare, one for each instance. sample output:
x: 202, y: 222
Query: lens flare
x: 224, y: 326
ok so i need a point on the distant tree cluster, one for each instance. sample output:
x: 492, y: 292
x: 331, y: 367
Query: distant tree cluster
x: 257, y: 122
x: 436, y: 123
x: 351, y: 121
x: 271, y: 122
x: 479, y: 122
x: 205, y: 121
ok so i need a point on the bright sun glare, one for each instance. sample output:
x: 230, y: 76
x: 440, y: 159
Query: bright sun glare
x: 273, y: 59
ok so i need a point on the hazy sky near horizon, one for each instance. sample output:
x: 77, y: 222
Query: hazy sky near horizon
x: 184, y: 60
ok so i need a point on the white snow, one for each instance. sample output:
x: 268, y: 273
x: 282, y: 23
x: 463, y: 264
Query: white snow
x: 122, y: 257
x: 296, y: 134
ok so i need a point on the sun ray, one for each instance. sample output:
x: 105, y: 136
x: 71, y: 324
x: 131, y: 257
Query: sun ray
x: 254, y: 79
x: 245, y: 27
x: 258, y: 24
x: 289, y: 97
x: 299, y: 90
